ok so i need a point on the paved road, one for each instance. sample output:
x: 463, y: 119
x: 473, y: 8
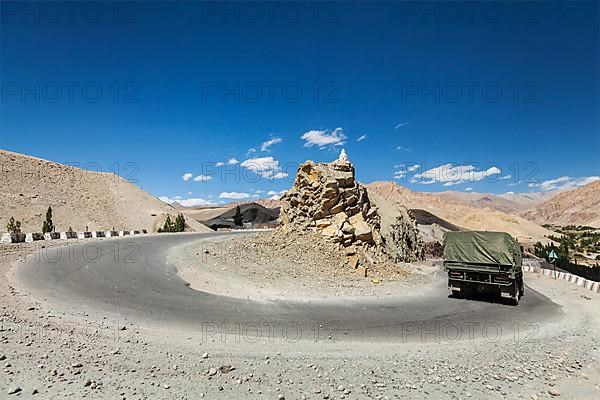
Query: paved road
x: 131, y: 279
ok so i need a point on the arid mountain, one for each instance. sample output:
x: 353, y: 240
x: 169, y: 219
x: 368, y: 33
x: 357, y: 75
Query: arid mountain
x: 79, y: 198
x: 510, y: 203
x: 201, y: 213
x: 459, y: 213
x: 269, y: 203
x: 253, y: 213
x: 575, y: 207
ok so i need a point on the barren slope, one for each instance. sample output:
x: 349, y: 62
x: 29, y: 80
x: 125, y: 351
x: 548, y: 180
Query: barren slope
x: 575, y: 207
x: 460, y: 214
x: 79, y: 198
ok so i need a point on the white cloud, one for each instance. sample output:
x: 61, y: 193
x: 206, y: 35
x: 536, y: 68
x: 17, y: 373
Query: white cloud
x: 402, y: 172
x: 279, y: 175
x: 407, y: 149
x: 234, y: 195
x: 186, y: 202
x: 400, y: 125
x: 266, y: 167
x: 202, y: 178
x: 363, y: 137
x: 324, y: 138
x: 250, y: 151
x: 505, y: 177
x: 276, y: 195
x: 232, y: 161
x: 265, y: 146
x: 450, y: 175
x: 220, y: 164
x: 469, y: 189
x: 564, y: 182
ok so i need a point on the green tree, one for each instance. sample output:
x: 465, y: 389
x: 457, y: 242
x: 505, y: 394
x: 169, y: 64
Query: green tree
x: 180, y: 223
x: 13, y: 226
x: 237, y: 218
x: 48, y: 225
x: 168, y: 226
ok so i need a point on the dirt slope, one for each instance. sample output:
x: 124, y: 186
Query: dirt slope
x: 575, y: 207
x: 79, y: 198
x: 461, y: 214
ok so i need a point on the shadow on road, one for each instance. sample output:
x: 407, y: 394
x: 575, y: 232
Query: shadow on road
x: 483, y: 297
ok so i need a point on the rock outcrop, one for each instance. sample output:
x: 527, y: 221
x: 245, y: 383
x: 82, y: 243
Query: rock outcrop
x: 326, y: 198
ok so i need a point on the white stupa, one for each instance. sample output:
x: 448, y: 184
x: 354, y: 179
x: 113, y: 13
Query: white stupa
x: 343, y: 158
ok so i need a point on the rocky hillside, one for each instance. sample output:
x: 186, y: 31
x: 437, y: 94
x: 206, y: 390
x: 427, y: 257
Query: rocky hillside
x: 575, y: 207
x: 460, y: 214
x: 326, y: 198
x: 78, y: 198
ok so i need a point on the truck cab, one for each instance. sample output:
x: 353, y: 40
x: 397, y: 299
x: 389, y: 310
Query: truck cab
x: 481, y: 261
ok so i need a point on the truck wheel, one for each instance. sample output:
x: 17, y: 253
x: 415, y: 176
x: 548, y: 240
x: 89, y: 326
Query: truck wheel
x: 522, y: 288
x: 517, y: 295
x: 456, y: 293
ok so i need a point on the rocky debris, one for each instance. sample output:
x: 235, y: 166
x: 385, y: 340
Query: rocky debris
x: 225, y: 369
x: 433, y: 249
x: 554, y: 392
x: 14, y: 390
x: 326, y: 198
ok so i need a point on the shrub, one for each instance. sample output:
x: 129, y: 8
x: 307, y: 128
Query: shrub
x: 237, y: 218
x: 13, y: 226
x: 48, y: 225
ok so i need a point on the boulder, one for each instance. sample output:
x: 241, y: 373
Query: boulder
x: 362, y: 230
x: 353, y: 261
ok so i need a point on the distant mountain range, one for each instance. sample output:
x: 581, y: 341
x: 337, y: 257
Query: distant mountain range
x: 95, y: 200
x: 520, y: 214
x: 467, y: 210
x: 574, y: 207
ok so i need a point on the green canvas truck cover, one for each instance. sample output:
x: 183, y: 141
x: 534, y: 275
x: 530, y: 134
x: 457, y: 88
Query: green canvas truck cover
x: 481, y: 248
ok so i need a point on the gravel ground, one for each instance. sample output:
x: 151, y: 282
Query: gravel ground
x: 51, y: 354
x: 253, y: 267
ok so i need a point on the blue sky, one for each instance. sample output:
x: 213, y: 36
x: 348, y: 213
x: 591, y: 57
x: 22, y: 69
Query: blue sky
x: 489, y: 97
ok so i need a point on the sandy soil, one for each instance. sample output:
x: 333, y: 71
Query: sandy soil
x: 56, y: 354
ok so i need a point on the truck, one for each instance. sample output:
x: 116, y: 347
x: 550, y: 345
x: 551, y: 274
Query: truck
x: 483, y: 262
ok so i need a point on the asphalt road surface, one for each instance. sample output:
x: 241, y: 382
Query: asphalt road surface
x: 129, y: 277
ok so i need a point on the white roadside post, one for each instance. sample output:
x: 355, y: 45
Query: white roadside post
x: 6, y: 238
